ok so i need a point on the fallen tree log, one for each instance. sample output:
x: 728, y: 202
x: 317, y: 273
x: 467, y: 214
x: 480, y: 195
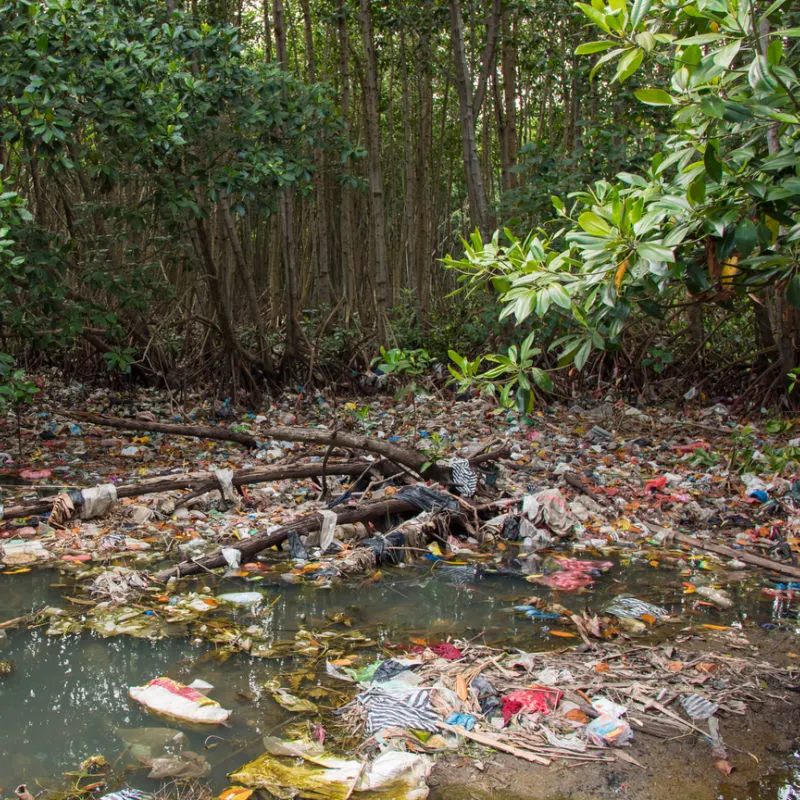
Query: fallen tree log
x: 414, y: 459
x: 741, y: 555
x: 305, y: 524
x: 721, y: 549
x: 206, y: 482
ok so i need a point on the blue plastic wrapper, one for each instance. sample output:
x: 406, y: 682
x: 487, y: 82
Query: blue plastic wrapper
x: 466, y: 721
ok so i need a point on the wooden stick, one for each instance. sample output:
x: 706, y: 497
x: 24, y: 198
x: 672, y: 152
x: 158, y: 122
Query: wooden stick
x: 344, y: 439
x: 204, y: 482
x: 491, y: 741
x: 305, y: 524
x: 721, y: 549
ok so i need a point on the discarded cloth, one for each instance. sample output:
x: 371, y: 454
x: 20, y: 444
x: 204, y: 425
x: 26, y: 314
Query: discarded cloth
x: 464, y: 478
x: 398, y: 710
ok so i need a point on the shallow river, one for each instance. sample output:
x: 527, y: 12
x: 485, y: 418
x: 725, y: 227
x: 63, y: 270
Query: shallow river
x: 67, y: 697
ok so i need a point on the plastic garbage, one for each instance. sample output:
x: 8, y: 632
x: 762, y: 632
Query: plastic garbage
x: 185, y: 765
x: 402, y: 776
x: 426, y: 499
x: 172, y: 699
x: 608, y: 707
x: 388, y: 670
x: 245, y: 599
x: 542, y: 699
x: 20, y: 554
x: 466, y: 721
x: 633, y: 608
x: 297, y: 549
x: 607, y: 730
x: 549, y: 508
x: 567, y: 580
x: 387, y: 549
x: 718, y: 597
x: 127, y: 793
x: 233, y: 558
x: 443, y: 650
x: 97, y: 501
x: 698, y: 707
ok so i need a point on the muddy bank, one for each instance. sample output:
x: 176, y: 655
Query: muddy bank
x: 762, y: 747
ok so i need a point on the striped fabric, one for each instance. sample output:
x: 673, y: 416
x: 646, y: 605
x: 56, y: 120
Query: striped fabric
x: 464, y: 478
x: 398, y: 709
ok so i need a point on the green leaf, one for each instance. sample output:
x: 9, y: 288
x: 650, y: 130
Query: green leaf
x: 655, y: 252
x: 558, y: 203
x: 588, y: 48
x: 793, y: 291
x: 542, y: 379
x: 712, y: 163
x: 582, y: 356
x: 639, y: 11
x: 792, y: 33
x: 628, y: 64
x: 595, y: 16
x: 654, y: 97
x: 696, y: 193
x: 746, y: 237
x: 594, y: 224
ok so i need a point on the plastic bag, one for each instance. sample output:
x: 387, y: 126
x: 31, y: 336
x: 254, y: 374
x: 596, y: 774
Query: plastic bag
x: 606, y: 730
x: 175, y: 700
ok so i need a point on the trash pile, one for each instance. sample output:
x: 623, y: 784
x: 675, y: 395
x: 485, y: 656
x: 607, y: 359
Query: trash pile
x: 568, y: 705
x: 689, y: 520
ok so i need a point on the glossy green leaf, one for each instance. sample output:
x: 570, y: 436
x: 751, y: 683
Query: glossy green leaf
x: 594, y: 224
x: 654, y: 97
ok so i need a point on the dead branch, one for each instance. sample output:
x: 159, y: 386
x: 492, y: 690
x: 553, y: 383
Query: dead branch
x: 305, y: 524
x: 413, y: 459
x: 202, y: 482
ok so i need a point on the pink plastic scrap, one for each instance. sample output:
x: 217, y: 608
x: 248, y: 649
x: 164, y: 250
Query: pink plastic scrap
x: 567, y: 580
x: 444, y: 650
x: 542, y: 699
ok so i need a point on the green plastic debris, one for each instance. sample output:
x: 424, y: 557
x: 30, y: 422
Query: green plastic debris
x: 392, y: 775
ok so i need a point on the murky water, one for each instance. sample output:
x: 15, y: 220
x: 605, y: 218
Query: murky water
x: 67, y: 697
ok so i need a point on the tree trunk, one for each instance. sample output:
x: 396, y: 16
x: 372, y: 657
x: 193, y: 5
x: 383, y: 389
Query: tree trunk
x: 287, y: 215
x: 322, y: 285
x: 346, y: 216
x: 478, y: 206
x: 508, y: 62
x: 371, y: 102
x: 422, y: 182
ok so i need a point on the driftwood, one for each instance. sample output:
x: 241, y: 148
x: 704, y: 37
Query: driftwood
x: 201, y: 482
x: 305, y: 524
x: 741, y: 555
x: 412, y: 459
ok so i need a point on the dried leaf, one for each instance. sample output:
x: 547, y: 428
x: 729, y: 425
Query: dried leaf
x: 461, y: 688
x: 563, y: 634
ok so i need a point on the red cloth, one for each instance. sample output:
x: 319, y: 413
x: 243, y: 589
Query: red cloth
x: 543, y: 699
x: 445, y: 650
